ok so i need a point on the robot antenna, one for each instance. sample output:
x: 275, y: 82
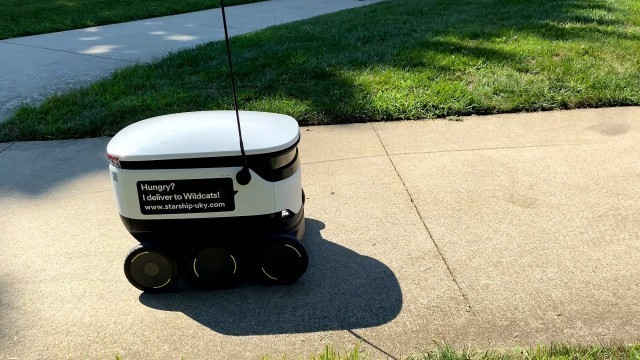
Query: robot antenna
x: 243, y: 177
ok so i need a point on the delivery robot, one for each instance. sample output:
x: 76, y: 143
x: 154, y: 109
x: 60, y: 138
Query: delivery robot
x: 197, y: 206
x: 202, y: 203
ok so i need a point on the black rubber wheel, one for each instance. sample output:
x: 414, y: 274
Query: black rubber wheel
x: 304, y: 197
x: 283, y: 260
x: 150, y: 269
x: 214, y: 267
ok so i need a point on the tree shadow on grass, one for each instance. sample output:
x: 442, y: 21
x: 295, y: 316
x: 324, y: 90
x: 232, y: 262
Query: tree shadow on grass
x: 340, y: 67
x: 341, y: 290
x: 391, y: 60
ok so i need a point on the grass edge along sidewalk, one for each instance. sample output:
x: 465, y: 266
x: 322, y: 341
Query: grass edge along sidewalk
x: 22, y: 18
x: 398, y: 59
x: 555, y: 351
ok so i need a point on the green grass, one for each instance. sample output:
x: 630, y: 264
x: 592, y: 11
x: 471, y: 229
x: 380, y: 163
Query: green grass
x: 551, y: 352
x: 445, y: 352
x: 29, y: 17
x: 330, y: 353
x: 400, y: 59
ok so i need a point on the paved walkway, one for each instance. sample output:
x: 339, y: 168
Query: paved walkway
x: 34, y: 67
x: 494, y: 231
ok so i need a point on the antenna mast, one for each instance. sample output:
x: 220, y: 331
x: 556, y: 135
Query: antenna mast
x: 243, y: 177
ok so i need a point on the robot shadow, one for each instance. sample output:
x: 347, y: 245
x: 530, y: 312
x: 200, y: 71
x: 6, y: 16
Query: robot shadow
x: 341, y: 290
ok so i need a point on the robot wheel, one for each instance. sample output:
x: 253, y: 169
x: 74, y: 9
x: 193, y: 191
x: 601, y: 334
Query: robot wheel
x: 150, y: 269
x: 213, y: 267
x: 282, y: 260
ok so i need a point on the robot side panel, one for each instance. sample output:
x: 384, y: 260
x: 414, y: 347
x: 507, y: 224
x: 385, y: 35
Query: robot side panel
x: 288, y: 192
x: 200, y: 189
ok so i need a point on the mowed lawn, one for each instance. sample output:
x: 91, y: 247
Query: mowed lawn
x: 399, y: 59
x: 29, y: 17
x: 558, y: 351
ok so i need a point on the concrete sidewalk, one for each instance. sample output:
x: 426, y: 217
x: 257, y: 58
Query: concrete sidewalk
x: 496, y: 231
x: 34, y: 67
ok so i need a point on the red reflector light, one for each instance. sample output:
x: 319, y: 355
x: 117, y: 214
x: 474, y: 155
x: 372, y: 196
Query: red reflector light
x: 114, y: 160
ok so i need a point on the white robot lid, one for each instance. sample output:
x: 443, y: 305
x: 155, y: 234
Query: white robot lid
x: 204, y: 134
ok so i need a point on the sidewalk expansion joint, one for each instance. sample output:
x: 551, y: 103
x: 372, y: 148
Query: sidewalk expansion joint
x: 361, y: 338
x: 488, y: 149
x: 464, y: 295
x: 3, y: 150
x: 71, y: 52
x: 345, y: 159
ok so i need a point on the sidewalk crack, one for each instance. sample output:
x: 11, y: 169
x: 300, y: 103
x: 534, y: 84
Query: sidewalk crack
x: 3, y: 150
x: 345, y: 159
x: 464, y: 295
x: 491, y: 148
x: 70, y: 52
x: 361, y: 338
